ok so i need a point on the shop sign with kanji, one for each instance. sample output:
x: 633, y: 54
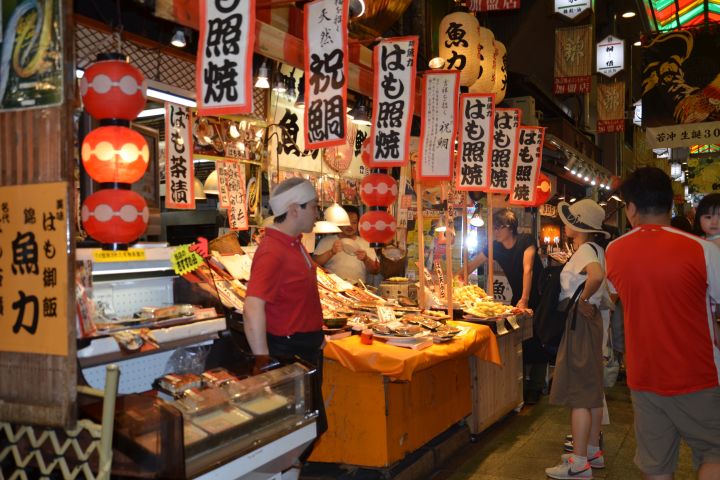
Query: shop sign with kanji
x: 475, y: 147
x: 34, y: 269
x: 438, y: 129
x: 179, y: 168
x: 326, y: 72
x: 527, y: 167
x: 395, y: 62
x: 492, y: 5
x: 683, y: 135
x: 571, y: 8
x: 505, y: 147
x: 224, y: 72
x: 222, y: 185
x: 610, y: 56
x: 235, y: 180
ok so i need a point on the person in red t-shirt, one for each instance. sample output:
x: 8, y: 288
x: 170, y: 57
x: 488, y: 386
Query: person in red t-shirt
x: 282, y: 314
x: 666, y: 279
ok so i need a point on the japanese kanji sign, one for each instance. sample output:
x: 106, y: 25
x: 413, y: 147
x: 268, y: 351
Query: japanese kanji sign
x: 527, y: 166
x: 184, y: 261
x: 505, y: 147
x: 393, y: 101
x: 460, y: 45
x: 492, y: 5
x: 326, y: 72
x: 573, y: 59
x: 223, y: 196
x: 684, y: 135
x: 438, y: 130
x: 610, y: 56
x: 611, y: 107
x: 225, y: 57
x: 476, y: 139
x: 34, y: 269
x: 571, y: 8
x: 237, y: 212
x: 179, y: 169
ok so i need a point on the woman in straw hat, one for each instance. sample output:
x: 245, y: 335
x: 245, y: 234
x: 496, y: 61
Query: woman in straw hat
x: 578, y: 378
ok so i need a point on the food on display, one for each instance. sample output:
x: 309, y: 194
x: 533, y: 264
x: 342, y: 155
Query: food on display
x: 264, y: 404
x: 217, y: 377
x: 177, y: 383
x: 326, y: 280
x: 487, y: 309
x: 468, y: 293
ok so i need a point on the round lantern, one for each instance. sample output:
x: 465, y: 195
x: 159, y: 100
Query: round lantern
x: 486, y: 72
x: 459, y: 42
x: 543, y: 190
x: 113, y: 216
x: 366, y: 152
x: 112, y: 88
x: 378, y: 190
x: 377, y: 226
x: 500, y: 84
x: 115, y: 155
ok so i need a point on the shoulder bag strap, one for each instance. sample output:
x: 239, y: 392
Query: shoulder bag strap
x: 573, y: 301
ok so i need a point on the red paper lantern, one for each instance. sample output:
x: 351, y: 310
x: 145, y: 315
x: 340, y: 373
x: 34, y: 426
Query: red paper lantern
x: 115, y: 216
x: 378, y: 190
x: 366, y: 152
x: 115, y: 154
x: 377, y: 226
x: 112, y: 88
x: 543, y: 190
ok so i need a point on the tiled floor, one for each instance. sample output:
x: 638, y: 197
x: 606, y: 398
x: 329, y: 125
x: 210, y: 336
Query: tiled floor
x: 522, y: 445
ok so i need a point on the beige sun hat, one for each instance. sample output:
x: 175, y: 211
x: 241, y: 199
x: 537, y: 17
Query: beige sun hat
x: 584, y: 216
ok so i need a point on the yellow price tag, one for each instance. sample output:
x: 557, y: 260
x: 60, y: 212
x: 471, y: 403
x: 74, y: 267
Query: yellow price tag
x: 184, y: 261
x: 129, y: 255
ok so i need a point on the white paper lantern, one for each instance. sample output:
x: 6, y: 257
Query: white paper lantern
x: 500, y: 84
x: 459, y: 44
x: 486, y: 74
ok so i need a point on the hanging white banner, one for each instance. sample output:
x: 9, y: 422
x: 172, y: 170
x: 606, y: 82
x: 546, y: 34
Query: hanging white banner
x: 224, y: 72
x: 527, y: 166
x: 395, y: 62
x: 326, y: 72
x: 438, y: 129
x: 505, y: 147
x: 477, y: 112
x: 237, y: 212
x: 179, y: 168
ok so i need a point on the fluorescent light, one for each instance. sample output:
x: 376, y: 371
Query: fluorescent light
x: 151, y: 112
x: 156, y: 94
x: 629, y: 14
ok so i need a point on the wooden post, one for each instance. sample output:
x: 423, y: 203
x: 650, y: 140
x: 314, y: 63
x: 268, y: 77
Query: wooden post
x: 421, y: 242
x: 464, y: 238
x: 490, y: 260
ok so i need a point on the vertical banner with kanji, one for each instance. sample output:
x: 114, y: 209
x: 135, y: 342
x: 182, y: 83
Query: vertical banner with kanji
x: 223, y: 196
x: 237, y: 212
x: 395, y: 62
x: 492, y: 5
x: 224, y: 72
x: 527, y: 166
x: 505, y: 147
x: 179, y: 169
x: 477, y: 111
x: 34, y: 269
x: 326, y: 72
x: 438, y: 129
x: 611, y: 107
x: 573, y: 59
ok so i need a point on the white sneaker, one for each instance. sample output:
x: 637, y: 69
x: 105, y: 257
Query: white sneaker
x: 596, y: 461
x: 566, y: 471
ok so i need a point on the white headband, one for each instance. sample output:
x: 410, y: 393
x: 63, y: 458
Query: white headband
x: 300, y: 194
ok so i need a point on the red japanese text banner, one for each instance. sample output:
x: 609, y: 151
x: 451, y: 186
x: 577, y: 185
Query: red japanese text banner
x: 477, y: 111
x: 611, y: 107
x: 326, y: 72
x: 573, y: 59
x: 438, y: 129
x: 179, y: 169
x: 224, y: 72
x: 395, y: 62
x: 505, y: 148
x: 527, y: 166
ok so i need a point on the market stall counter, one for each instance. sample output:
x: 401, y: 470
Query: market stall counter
x: 384, y: 401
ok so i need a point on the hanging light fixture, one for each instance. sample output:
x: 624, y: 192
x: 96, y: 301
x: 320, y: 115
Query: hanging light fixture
x: 178, y: 39
x: 337, y: 215
x: 290, y: 85
x: 476, y: 220
x: 279, y: 85
x: 440, y: 226
x: 263, y: 76
x: 211, y: 183
x: 436, y: 63
x: 300, y: 102
x: 323, y: 226
x: 199, y: 190
x: 360, y: 114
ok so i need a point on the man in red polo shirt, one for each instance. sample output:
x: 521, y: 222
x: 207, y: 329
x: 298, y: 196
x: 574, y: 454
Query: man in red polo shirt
x: 666, y: 279
x: 282, y: 313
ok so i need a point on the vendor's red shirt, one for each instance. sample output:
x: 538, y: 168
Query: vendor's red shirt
x: 284, y: 275
x: 665, y: 279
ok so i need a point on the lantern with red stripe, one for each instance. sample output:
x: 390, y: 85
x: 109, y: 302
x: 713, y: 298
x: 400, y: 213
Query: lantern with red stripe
x: 377, y: 226
x: 115, y: 155
x: 112, y: 88
x: 112, y: 216
x: 543, y: 190
x: 378, y: 190
x: 366, y: 151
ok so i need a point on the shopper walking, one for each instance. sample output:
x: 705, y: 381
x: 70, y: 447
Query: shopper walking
x: 578, y: 378
x: 282, y: 313
x: 666, y: 280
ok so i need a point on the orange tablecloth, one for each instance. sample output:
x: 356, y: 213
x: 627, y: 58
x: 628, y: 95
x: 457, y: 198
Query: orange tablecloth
x: 400, y: 363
